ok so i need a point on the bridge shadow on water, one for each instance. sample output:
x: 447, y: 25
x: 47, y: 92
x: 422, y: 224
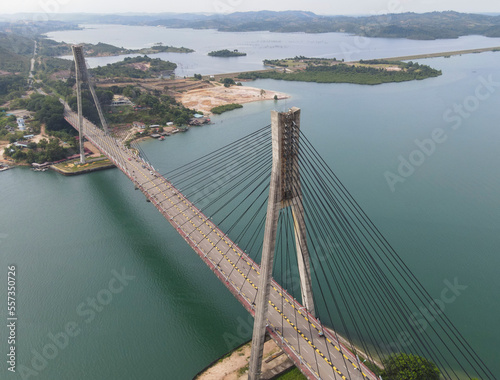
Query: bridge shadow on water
x: 188, y: 288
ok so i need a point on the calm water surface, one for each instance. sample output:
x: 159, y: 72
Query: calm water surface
x: 69, y: 236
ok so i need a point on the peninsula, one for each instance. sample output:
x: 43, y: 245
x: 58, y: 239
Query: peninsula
x: 322, y: 70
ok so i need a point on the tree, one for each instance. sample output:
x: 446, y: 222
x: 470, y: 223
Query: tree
x: 43, y: 143
x: 228, y: 82
x: 409, y: 367
x: 30, y: 157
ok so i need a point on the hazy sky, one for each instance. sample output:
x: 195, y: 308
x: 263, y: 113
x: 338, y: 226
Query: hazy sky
x: 331, y: 7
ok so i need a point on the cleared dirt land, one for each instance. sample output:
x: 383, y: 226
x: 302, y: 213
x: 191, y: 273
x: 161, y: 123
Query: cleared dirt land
x: 207, y: 98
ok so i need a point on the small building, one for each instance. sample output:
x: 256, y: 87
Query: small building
x: 170, y: 123
x: 155, y: 136
x: 21, y: 144
x: 121, y: 101
x: 27, y: 137
x: 20, y: 123
x: 139, y: 125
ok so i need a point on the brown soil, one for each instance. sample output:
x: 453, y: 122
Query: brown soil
x: 207, y: 98
x: 229, y: 368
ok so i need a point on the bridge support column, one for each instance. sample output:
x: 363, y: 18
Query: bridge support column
x: 79, y: 80
x: 284, y: 191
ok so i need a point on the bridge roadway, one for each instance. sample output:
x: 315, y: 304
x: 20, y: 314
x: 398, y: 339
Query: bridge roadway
x: 296, y: 331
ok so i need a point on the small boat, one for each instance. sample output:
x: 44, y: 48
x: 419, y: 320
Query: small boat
x: 162, y: 138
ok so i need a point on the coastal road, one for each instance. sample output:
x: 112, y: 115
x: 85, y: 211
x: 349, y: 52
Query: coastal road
x: 289, y: 324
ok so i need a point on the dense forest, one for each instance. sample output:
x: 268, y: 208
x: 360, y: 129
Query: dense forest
x: 358, y: 74
x: 11, y: 87
x: 15, y: 53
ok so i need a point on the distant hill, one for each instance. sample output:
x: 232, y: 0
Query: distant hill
x: 15, y: 53
x: 424, y: 26
x: 421, y: 26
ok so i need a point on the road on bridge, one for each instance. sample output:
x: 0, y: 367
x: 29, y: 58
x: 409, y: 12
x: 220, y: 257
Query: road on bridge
x: 298, y: 333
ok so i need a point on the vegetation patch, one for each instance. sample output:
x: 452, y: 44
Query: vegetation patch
x: 293, y: 374
x: 243, y: 370
x: 407, y: 367
x: 227, y: 107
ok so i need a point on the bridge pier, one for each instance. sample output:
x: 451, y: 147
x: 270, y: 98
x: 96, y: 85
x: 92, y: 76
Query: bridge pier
x: 79, y: 78
x: 284, y: 191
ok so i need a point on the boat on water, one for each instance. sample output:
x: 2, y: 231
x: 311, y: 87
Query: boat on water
x: 162, y: 138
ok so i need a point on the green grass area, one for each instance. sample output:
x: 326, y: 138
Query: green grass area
x: 75, y: 167
x: 293, y: 374
x: 228, y: 107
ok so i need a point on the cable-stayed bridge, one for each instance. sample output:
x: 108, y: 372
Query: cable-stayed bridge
x: 278, y: 228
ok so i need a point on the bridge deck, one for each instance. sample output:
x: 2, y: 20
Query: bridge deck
x: 289, y: 324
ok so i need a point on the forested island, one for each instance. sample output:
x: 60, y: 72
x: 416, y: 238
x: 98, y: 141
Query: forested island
x: 322, y: 70
x: 226, y: 53
x: 137, y: 67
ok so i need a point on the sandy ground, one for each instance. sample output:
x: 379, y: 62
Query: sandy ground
x: 207, y: 98
x: 228, y: 368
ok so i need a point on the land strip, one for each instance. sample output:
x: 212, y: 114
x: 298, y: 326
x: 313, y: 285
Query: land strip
x: 442, y: 54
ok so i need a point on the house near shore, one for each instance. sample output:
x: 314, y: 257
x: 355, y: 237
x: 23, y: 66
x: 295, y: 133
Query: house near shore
x: 121, y: 101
